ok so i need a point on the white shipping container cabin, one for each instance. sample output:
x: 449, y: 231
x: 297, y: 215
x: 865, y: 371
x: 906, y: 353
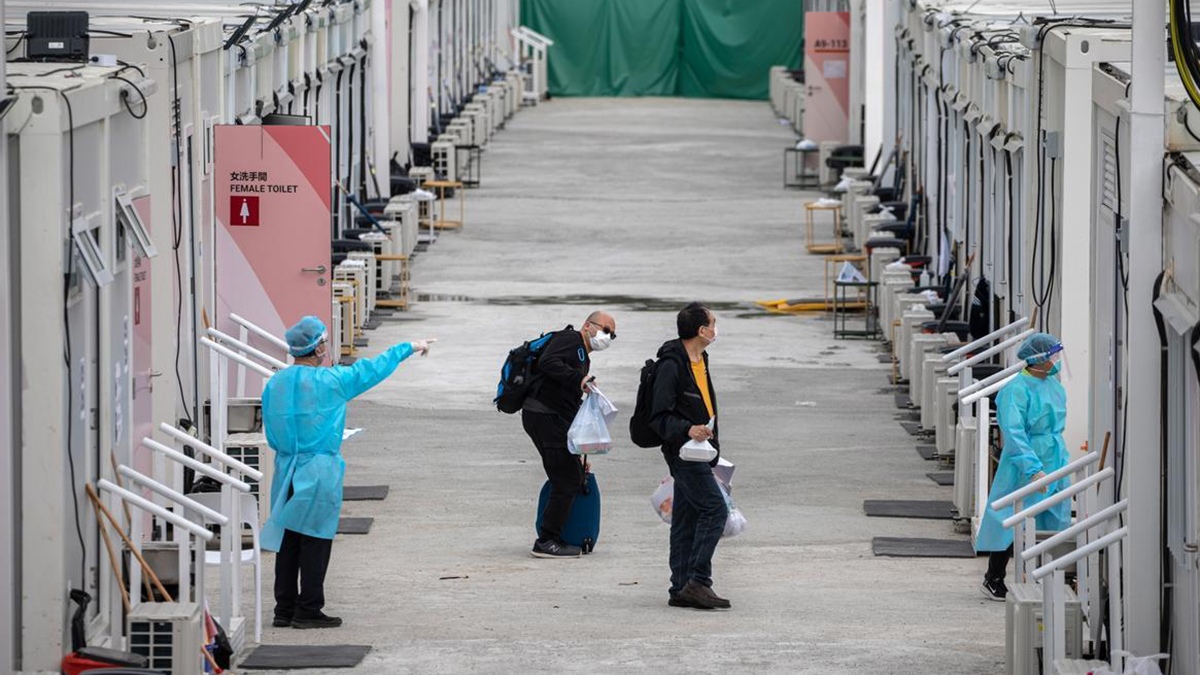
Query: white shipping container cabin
x: 78, y: 146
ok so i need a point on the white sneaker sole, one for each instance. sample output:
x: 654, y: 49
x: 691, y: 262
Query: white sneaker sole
x: 551, y: 556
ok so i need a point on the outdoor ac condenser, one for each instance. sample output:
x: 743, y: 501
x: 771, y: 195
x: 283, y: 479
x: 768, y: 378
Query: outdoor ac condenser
x: 825, y: 174
x: 444, y: 158
x: 932, y: 370
x: 169, y: 634
x: 944, y: 404
x: 251, y: 449
x: 920, y: 345
x: 1023, y: 628
x: 964, y: 468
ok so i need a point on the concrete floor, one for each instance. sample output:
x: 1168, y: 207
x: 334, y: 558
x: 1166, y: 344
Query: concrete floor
x: 636, y: 206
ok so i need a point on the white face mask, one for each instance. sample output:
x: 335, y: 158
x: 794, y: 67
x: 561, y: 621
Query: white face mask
x: 600, y: 341
x: 714, y: 335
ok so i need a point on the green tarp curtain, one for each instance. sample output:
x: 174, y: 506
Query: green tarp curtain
x: 699, y: 48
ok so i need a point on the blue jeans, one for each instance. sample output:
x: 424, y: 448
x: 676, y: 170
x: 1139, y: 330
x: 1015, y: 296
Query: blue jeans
x: 697, y: 520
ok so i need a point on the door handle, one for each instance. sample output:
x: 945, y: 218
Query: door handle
x: 319, y: 269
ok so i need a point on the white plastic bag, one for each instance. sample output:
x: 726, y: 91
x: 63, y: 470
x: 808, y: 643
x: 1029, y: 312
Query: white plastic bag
x: 1135, y: 665
x: 697, y: 451
x: 607, y: 409
x: 735, y: 522
x: 588, y: 434
x: 663, y: 501
x: 663, y: 498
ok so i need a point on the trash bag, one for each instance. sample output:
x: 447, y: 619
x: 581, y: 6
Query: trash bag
x: 1135, y: 665
x: 663, y: 498
x: 607, y: 409
x: 588, y: 434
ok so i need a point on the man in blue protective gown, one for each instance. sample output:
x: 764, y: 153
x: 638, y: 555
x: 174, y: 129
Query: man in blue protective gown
x: 304, y: 415
x: 1031, y: 412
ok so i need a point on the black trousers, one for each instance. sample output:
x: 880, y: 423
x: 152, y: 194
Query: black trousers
x: 302, y: 561
x: 564, y: 470
x: 998, y: 563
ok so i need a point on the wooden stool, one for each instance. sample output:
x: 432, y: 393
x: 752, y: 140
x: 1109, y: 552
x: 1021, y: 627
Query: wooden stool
x: 441, y: 186
x: 836, y: 247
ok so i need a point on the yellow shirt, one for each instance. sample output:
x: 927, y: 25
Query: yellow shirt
x: 701, y: 376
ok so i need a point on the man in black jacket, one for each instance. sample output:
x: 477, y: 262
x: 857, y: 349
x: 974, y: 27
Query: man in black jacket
x: 562, y: 373
x: 683, y: 404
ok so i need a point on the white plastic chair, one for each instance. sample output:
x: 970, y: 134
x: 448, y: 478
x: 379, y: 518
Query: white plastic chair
x: 250, y: 556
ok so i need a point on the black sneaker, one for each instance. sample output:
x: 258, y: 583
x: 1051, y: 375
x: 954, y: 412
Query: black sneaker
x: 553, y: 549
x: 282, y: 622
x: 322, y: 620
x: 994, y: 589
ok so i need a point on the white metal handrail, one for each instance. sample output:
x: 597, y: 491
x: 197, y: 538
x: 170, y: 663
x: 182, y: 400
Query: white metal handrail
x: 1079, y: 553
x: 215, y: 454
x: 237, y: 344
x: 234, y: 356
x: 1063, y: 495
x: 261, y: 332
x: 989, y: 353
x: 1026, y: 490
x: 986, y: 339
x: 1098, y: 518
x: 196, y: 465
x: 173, y: 495
x: 989, y: 383
x: 150, y: 507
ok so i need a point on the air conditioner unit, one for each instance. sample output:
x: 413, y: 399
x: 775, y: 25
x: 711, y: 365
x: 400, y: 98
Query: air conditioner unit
x: 383, y: 246
x: 918, y: 346
x: 932, y: 370
x: 1023, y: 628
x: 892, y: 283
x: 251, y: 449
x: 335, y: 331
x: 474, y: 124
x: 965, y: 450
x: 901, y: 303
x: 866, y: 227
x: 860, y: 204
x: 369, y: 278
x: 910, y: 325
x: 515, y: 92
x: 776, y: 79
x: 445, y: 160
x: 403, y: 212
x: 354, y: 272
x: 169, y: 634
x: 947, y: 419
x: 483, y: 120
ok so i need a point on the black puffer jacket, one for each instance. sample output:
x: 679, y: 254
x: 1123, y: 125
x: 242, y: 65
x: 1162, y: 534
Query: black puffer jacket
x: 561, y: 367
x: 677, y: 404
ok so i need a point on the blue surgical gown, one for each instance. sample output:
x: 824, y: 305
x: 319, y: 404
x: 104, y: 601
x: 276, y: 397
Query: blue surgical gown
x: 304, y: 414
x: 1031, y: 413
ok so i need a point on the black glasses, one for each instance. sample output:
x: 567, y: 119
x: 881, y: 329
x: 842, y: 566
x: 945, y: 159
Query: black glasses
x: 605, y: 329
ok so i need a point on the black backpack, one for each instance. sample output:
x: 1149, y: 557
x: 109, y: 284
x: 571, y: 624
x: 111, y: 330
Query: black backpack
x: 516, y: 375
x: 640, y: 431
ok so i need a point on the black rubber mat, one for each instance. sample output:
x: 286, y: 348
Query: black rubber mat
x: 942, y: 477
x: 885, y: 358
x: 354, y: 525
x: 902, y: 402
x: 361, y: 342
x: 362, y: 493
x: 372, y: 324
x: 927, y: 451
x: 294, y: 657
x: 913, y: 428
x: 901, y: 547
x: 908, y: 508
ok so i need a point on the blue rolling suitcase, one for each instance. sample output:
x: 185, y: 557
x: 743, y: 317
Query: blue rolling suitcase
x: 583, y: 525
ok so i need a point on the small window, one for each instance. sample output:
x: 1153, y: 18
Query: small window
x: 84, y: 238
x: 128, y: 217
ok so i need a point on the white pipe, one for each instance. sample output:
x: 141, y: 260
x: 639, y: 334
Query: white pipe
x: 234, y: 356
x: 177, y: 497
x: 1022, y: 492
x: 198, y: 467
x: 1056, y: 498
x: 235, y: 343
x: 989, y: 353
x: 262, y: 333
x: 419, y: 102
x: 986, y: 339
x: 1070, y: 558
x: 992, y: 379
x: 150, y: 507
x: 215, y: 454
x: 380, y: 122
x: 1086, y: 524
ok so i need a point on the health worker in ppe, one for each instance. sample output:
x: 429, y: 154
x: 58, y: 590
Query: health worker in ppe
x: 1031, y: 411
x: 304, y: 415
